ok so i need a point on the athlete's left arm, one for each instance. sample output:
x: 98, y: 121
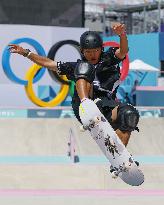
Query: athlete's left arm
x: 120, y: 30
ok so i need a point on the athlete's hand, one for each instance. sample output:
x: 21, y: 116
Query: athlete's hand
x: 119, y: 28
x: 13, y: 48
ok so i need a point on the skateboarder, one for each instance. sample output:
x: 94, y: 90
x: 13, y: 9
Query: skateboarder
x: 97, y: 77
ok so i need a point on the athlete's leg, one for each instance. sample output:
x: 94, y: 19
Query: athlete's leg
x: 83, y: 88
x: 124, y: 136
x: 125, y: 117
x: 122, y: 117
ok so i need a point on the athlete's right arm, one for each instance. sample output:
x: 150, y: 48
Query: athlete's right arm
x: 40, y: 60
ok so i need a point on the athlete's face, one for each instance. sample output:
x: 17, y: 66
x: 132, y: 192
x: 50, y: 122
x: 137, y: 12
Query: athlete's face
x: 92, y: 55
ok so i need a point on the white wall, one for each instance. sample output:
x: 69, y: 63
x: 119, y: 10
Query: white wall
x: 12, y: 94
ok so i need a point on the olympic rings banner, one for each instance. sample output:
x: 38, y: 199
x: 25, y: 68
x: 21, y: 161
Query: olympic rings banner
x: 38, y: 40
x: 57, y: 42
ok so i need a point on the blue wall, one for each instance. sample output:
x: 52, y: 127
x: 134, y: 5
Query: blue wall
x: 161, y: 46
x: 144, y: 47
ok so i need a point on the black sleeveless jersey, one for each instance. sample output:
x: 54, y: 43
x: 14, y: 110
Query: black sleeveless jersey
x: 107, y: 73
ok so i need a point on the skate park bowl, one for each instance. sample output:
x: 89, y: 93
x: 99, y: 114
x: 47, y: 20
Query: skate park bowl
x: 49, y: 161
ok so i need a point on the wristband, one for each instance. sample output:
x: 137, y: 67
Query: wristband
x: 27, y: 53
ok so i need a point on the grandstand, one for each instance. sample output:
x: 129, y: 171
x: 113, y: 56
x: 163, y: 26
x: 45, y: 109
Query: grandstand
x: 140, y: 16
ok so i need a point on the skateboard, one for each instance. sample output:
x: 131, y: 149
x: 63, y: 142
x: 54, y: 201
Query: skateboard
x: 122, y: 162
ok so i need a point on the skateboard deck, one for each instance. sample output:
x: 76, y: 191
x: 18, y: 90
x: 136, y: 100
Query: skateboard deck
x: 102, y: 132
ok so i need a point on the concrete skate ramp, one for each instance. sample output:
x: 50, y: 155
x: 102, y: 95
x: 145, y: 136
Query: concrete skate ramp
x: 149, y: 141
x: 45, y: 137
x: 73, y: 176
x: 42, y: 137
x: 49, y: 137
x: 82, y: 199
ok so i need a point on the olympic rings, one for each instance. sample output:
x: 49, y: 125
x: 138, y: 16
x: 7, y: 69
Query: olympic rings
x: 125, y: 62
x: 36, y: 72
x: 71, y: 88
x: 30, y: 93
x: 52, y: 52
x: 6, y: 64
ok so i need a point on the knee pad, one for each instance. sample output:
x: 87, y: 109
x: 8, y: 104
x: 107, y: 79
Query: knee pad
x: 127, y: 118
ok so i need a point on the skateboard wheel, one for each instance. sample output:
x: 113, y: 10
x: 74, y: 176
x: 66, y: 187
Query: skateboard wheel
x: 97, y: 119
x: 137, y: 163
x: 114, y: 174
x: 82, y: 128
x: 128, y: 165
x: 76, y: 159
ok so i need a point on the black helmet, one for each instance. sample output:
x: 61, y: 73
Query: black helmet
x: 90, y: 39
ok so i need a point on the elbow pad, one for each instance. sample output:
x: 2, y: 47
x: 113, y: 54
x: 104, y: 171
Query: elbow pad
x: 85, y: 71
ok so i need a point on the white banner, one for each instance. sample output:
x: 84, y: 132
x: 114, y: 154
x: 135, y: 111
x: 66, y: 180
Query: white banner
x: 46, y: 36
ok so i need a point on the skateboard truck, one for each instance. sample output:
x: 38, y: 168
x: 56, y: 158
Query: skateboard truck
x: 83, y: 128
x: 122, y: 168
